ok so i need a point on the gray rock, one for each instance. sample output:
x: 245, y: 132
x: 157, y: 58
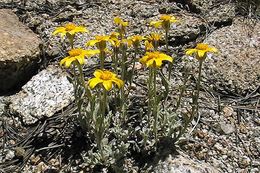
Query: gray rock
x: 19, y: 51
x: 236, y: 67
x: 46, y: 93
x: 183, y: 164
x: 227, y: 128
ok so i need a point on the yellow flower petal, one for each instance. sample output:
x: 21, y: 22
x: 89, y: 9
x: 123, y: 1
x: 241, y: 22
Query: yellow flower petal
x: 190, y: 51
x: 93, y: 82
x: 165, y: 57
x: 118, y: 82
x: 63, y: 61
x: 201, y: 53
x: 156, y: 24
x: 80, y: 29
x: 92, y: 42
x: 80, y: 59
x: 213, y: 49
x: 98, y: 73
x: 107, y: 85
x: 117, y: 20
x: 59, y: 30
x: 158, y: 62
x: 91, y: 52
x: 150, y: 63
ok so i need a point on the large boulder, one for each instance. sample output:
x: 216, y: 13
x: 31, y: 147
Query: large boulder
x: 45, y: 94
x: 19, y: 51
x: 236, y: 68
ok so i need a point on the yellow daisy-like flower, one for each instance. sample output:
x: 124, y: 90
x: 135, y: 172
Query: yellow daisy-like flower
x: 155, y: 59
x: 154, y: 37
x: 164, y: 22
x: 122, y: 25
x: 114, y: 35
x: 201, y: 51
x: 120, y: 22
x: 148, y: 45
x: 77, y: 55
x: 69, y: 28
x: 135, y: 40
x: 100, y: 41
x: 106, y: 78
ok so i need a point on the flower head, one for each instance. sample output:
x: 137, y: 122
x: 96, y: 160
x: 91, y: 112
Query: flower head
x: 121, y: 24
x: 148, y: 45
x: 77, y: 55
x: 69, y: 29
x: 155, y: 59
x: 106, y: 78
x: 135, y: 40
x: 154, y: 37
x: 100, y: 41
x: 201, y: 51
x: 164, y: 22
x: 114, y: 35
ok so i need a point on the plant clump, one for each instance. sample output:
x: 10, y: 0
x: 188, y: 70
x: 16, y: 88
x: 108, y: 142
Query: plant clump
x: 103, y: 101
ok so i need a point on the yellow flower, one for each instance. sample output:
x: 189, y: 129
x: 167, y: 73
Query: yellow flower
x: 135, y: 40
x: 154, y: 59
x: 77, y: 55
x: 154, y: 37
x: 106, y: 78
x: 148, y: 45
x: 114, y: 35
x: 120, y: 22
x: 201, y: 51
x: 100, y: 41
x: 69, y: 28
x: 164, y: 22
x: 122, y: 25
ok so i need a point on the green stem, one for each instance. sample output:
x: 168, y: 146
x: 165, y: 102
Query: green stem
x: 198, y: 88
x: 167, y: 50
x: 133, y: 65
x: 102, y: 59
x: 115, y: 59
x: 123, y: 65
x: 155, y: 105
x: 101, y: 128
x: 150, y: 78
x: 71, y: 40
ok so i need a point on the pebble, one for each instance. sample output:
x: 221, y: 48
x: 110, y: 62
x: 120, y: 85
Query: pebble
x: 10, y: 155
x: 227, y: 128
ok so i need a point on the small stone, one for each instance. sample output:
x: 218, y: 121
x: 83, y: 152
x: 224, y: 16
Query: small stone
x: 228, y: 111
x: 10, y: 155
x: 245, y: 161
x: 219, y: 147
x: 227, y: 128
x: 35, y: 159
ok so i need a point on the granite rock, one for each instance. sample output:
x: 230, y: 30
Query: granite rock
x: 236, y: 67
x: 45, y: 94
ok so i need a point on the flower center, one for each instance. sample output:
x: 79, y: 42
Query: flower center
x: 75, y: 52
x: 153, y: 55
x: 70, y: 26
x: 202, y: 46
x: 106, y: 75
